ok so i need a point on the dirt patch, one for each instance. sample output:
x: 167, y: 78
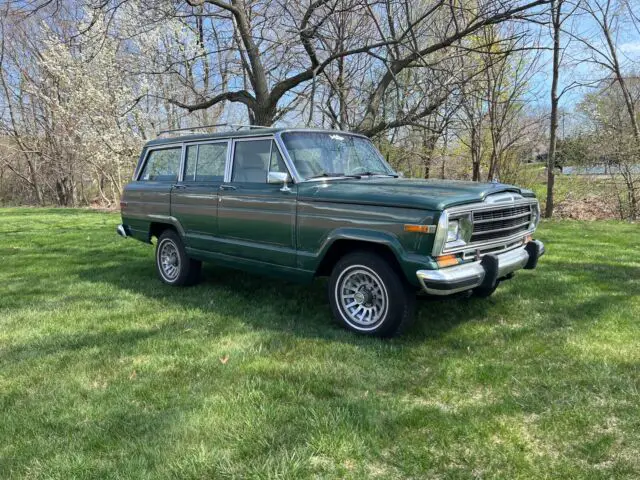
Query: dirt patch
x: 587, y: 207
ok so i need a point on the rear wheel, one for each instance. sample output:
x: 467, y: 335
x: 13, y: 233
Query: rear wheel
x: 172, y: 263
x: 368, y: 296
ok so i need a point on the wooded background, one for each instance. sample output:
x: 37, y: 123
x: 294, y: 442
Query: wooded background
x: 479, y: 89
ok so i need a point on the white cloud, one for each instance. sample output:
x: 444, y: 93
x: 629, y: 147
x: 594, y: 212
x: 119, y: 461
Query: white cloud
x: 631, y: 47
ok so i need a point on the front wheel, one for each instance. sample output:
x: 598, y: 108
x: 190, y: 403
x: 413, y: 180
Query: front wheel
x: 368, y: 296
x: 172, y: 263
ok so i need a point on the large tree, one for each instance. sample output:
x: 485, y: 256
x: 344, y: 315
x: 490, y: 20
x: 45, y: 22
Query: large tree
x: 279, y: 48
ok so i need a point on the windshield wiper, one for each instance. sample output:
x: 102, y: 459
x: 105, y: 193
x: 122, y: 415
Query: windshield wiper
x: 354, y: 175
x: 370, y: 174
x: 327, y: 174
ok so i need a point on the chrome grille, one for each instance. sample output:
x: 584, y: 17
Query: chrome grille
x: 500, y: 223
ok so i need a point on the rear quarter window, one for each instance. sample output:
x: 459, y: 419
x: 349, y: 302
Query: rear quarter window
x: 162, y: 165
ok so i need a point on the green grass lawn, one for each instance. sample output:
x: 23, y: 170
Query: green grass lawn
x: 107, y: 373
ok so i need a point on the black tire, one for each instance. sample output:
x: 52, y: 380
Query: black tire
x: 181, y: 270
x: 388, y: 296
x: 484, y: 292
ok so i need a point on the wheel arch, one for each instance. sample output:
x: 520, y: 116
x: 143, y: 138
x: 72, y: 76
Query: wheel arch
x: 156, y: 227
x: 342, y: 244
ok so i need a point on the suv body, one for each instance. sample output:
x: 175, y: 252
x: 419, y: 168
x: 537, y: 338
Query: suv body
x: 306, y: 203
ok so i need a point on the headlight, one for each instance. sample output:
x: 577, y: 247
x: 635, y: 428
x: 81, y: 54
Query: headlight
x: 453, y: 231
x: 459, y: 231
x: 535, y: 214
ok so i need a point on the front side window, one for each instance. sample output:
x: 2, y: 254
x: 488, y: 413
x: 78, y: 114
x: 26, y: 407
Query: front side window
x: 162, y: 165
x: 251, y: 160
x: 276, y: 163
x: 205, y: 162
x: 323, y: 154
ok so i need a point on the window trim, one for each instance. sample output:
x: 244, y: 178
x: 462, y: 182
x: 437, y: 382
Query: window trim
x: 229, y: 137
x: 183, y: 169
x: 172, y: 146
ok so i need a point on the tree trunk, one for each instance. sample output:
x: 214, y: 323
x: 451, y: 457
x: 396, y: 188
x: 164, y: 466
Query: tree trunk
x: 493, y: 163
x: 428, y: 147
x: 263, y: 115
x: 631, y: 110
x: 556, y: 9
x: 475, y: 155
x: 34, y: 183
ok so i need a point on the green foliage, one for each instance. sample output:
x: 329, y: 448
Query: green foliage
x: 615, y: 142
x: 575, y: 151
x: 108, y: 373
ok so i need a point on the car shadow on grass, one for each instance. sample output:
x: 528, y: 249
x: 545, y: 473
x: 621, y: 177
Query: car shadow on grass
x: 272, y: 303
x: 303, y: 309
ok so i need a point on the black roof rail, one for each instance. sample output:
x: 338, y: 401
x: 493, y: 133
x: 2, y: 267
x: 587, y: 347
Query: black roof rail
x: 187, y: 130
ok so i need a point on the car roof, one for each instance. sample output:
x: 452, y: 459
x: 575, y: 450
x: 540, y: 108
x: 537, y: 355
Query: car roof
x: 256, y: 132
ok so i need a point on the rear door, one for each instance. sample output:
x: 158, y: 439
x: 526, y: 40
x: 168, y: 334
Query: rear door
x: 194, y: 199
x: 148, y: 197
x: 256, y: 220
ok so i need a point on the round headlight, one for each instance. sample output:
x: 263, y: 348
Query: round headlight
x: 453, y: 231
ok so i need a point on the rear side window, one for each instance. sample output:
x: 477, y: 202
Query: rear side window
x: 205, y: 163
x: 162, y: 165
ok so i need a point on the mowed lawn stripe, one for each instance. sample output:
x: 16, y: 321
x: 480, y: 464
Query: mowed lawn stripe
x: 107, y: 373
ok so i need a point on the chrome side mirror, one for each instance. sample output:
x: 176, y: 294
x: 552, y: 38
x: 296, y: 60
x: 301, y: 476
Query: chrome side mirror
x: 279, y: 178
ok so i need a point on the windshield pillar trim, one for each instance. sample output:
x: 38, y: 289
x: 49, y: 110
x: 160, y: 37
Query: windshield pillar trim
x: 287, y: 159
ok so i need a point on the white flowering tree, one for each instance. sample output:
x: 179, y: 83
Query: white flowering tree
x: 77, y: 107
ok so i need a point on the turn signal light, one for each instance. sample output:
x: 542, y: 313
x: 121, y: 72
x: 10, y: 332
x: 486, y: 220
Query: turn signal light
x: 447, y: 260
x: 419, y: 228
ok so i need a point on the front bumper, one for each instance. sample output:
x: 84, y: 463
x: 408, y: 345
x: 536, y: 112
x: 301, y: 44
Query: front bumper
x: 123, y: 231
x: 483, y: 273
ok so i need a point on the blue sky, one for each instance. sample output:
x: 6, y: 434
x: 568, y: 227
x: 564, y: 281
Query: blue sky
x: 627, y: 39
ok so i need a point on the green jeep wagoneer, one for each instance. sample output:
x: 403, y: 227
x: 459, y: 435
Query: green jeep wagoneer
x: 306, y: 203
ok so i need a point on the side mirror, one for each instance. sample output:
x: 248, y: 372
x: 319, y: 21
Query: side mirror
x: 279, y: 178
x: 400, y: 174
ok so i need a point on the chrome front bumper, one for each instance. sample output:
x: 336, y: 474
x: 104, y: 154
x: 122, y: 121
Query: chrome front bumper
x: 485, y: 272
x: 123, y: 231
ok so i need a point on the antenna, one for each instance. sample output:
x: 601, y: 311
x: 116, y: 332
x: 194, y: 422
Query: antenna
x: 215, y: 125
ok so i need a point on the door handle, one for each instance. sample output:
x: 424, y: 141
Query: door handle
x: 179, y: 187
x: 228, y: 187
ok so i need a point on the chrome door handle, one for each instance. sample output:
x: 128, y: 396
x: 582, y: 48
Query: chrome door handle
x: 228, y: 187
x: 179, y: 187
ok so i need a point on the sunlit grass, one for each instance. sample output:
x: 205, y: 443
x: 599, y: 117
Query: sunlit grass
x: 107, y: 373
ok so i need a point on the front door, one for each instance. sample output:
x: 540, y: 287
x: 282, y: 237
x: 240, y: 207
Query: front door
x: 256, y: 220
x: 194, y: 200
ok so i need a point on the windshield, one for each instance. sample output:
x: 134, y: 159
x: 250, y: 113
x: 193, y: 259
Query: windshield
x: 321, y: 154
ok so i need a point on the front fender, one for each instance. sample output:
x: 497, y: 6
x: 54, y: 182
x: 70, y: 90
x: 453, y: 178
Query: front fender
x: 358, y: 234
x: 408, y: 262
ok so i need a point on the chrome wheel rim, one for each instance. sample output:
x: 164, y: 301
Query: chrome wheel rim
x: 169, y: 260
x: 362, y: 297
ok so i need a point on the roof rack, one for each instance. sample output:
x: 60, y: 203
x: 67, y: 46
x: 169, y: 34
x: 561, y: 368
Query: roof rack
x: 188, y: 130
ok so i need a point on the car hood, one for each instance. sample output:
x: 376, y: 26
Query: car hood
x: 401, y: 192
